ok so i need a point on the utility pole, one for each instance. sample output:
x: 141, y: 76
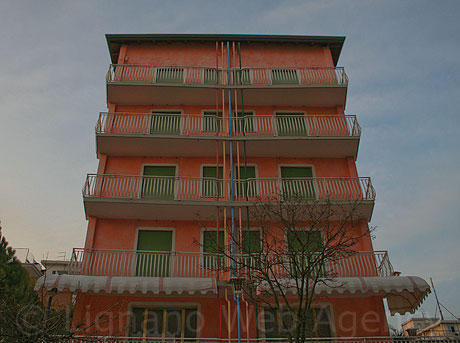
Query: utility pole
x: 437, y: 301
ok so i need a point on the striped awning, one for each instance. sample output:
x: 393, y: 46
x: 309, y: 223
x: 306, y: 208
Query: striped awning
x: 127, y: 285
x: 403, y: 293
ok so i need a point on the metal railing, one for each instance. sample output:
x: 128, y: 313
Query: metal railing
x: 386, y: 339
x: 206, y: 189
x: 211, y: 125
x: 209, y: 76
x: 107, y: 262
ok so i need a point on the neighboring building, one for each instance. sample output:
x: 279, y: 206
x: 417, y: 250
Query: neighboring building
x: 431, y: 327
x: 159, y: 144
x: 29, y: 262
x: 56, y: 266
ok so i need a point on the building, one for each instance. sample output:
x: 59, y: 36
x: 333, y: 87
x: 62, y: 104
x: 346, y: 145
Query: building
x: 431, y: 327
x: 28, y: 261
x: 163, y: 188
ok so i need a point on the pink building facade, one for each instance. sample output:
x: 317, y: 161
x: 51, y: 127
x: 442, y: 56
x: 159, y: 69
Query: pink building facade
x: 154, y: 202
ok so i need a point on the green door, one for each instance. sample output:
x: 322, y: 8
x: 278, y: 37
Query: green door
x: 210, y: 183
x: 247, y: 187
x: 170, y: 75
x: 245, y: 122
x: 165, y: 122
x: 155, y: 263
x: 210, y: 249
x: 298, y: 182
x: 159, y: 183
x: 291, y: 124
x: 305, y: 244
x: 284, y: 76
x: 210, y: 122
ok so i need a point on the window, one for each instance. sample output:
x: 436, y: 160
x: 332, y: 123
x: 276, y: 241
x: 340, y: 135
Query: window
x: 170, y: 75
x: 242, y: 77
x: 298, y: 182
x: 153, y: 253
x: 244, y: 124
x: 303, y: 244
x: 291, y: 124
x: 211, y: 121
x: 210, y: 248
x: 284, y: 76
x: 210, y: 76
x: 166, y: 122
x: 248, y: 185
x: 165, y: 323
x: 278, y: 323
x: 159, y: 182
x: 209, y: 185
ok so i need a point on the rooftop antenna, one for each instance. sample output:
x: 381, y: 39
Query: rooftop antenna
x: 437, y: 301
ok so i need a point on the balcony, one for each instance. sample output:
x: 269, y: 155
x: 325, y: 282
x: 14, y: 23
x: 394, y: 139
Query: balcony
x: 105, y: 262
x: 133, y: 84
x: 189, y: 198
x: 155, y: 134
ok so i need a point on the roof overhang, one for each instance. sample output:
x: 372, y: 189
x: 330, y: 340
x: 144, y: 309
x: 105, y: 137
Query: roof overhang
x: 127, y: 285
x: 403, y: 293
x: 115, y: 41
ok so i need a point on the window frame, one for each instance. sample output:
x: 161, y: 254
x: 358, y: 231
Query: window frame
x: 166, y: 306
x: 318, y: 305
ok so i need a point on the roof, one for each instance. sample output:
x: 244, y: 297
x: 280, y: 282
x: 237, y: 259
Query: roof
x: 114, y: 41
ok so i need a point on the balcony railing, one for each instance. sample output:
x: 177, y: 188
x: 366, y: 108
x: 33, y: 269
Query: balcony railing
x: 210, y: 189
x: 209, y: 76
x: 211, y: 125
x: 105, y: 262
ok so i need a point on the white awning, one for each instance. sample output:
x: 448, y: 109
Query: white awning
x: 403, y: 293
x: 127, y: 285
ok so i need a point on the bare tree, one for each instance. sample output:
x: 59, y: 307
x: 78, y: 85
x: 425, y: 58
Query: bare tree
x: 301, y: 246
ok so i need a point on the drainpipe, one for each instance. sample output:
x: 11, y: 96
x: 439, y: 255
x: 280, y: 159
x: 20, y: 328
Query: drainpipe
x: 232, y: 190
x: 228, y: 316
x: 246, y: 175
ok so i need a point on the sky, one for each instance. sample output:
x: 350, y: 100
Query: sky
x: 401, y: 58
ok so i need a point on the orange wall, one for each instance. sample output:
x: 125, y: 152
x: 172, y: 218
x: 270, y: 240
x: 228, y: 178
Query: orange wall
x: 204, y: 54
x: 358, y: 317
x: 267, y: 167
x: 258, y: 110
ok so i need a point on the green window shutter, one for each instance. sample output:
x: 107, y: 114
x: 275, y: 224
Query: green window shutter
x: 304, y: 244
x: 210, y: 241
x: 291, y: 124
x: 210, y: 76
x: 284, y: 76
x: 161, y: 186
x: 249, y: 187
x: 245, y: 122
x: 210, y: 249
x: 170, y: 75
x: 166, y: 122
x: 209, y: 121
x: 304, y: 241
x: 298, y: 182
x: 153, y: 264
x: 153, y: 240
x: 251, y: 242
x: 209, y: 183
x: 242, y: 77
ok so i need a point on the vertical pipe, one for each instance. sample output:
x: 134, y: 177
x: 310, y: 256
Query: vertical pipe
x: 246, y: 175
x: 232, y: 190
x: 217, y: 173
x: 217, y: 156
